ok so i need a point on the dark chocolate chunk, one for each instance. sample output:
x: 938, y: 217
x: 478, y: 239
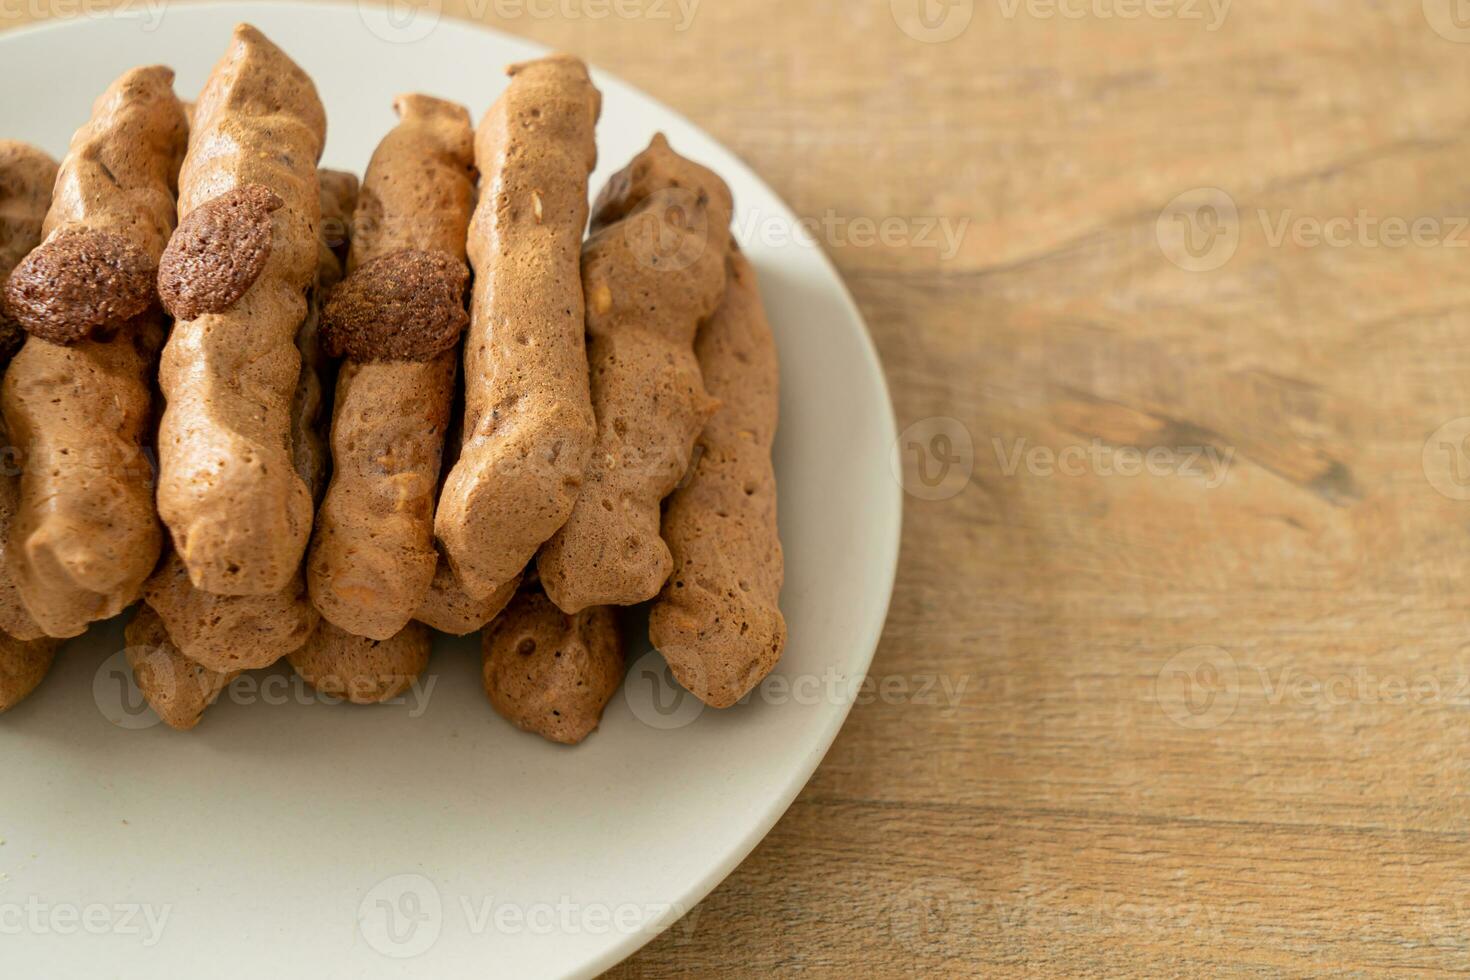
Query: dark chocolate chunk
x: 79, y: 284
x: 404, y: 306
x: 217, y: 252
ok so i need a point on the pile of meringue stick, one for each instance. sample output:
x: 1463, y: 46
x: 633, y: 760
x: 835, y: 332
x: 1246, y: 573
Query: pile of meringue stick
x: 288, y: 414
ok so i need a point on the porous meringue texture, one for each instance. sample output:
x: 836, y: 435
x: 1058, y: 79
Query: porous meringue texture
x: 338, y: 193
x: 448, y: 608
x: 653, y: 271
x: 528, y: 424
x: 85, y: 534
x: 26, y: 178
x: 717, y: 621
x: 362, y: 670
x: 397, y: 317
x: 15, y: 619
x: 23, y: 665
x: 225, y: 632
x: 238, y: 512
x: 372, y: 556
x: 552, y: 672
x: 175, y: 687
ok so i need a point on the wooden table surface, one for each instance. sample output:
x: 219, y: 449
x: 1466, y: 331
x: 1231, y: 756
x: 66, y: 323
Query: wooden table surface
x: 1179, y: 293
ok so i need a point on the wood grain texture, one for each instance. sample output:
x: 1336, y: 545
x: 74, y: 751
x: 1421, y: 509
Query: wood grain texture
x: 1214, y: 716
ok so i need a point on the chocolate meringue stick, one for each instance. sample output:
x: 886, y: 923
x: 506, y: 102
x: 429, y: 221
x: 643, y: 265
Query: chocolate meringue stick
x: 717, y: 621
x: 396, y: 319
x: 230, y: 633
x: 235, y: 276
x: 339, y: 192
x: 653, y: 270
x: 23, y: 665
x: 446, y: 606
x: 551, y: 673
x: 185, y: 645
x: 26, y: 178
x: 528, y: 419
x: 176, y: 688
x: 78, y: 398
x: 363, y: 671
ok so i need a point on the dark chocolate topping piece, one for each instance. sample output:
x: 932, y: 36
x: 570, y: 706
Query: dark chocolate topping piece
x: 79, y: 284
x: 217, y: 252
x: 404, y: 306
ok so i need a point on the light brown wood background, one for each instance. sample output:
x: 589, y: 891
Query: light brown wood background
x: 1212, y: 719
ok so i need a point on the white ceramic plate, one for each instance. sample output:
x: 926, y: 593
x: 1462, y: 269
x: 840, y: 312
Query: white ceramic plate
x: 430, y: 838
